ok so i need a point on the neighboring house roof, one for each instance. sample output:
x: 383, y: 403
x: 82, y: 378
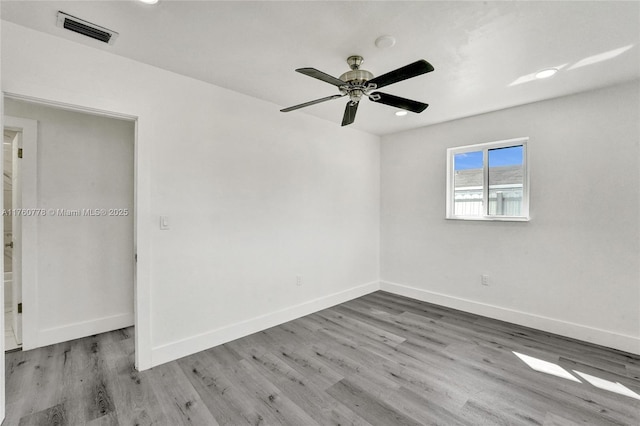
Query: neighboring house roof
x: 506, y: 175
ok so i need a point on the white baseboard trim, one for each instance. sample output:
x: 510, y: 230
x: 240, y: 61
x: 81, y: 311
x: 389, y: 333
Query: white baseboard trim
x: 585, y: 333
x: 50, y: 336
x: 171, y: 351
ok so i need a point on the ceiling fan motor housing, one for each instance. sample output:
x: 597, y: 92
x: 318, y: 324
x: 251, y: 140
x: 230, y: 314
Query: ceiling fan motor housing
x: 356, y: 76
x: 356, y: 79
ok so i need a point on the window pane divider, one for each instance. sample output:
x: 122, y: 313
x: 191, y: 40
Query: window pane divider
x: 485, y: 181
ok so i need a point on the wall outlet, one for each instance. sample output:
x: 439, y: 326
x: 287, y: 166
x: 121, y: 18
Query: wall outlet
x: 484, y: 280
x: 298, y: 280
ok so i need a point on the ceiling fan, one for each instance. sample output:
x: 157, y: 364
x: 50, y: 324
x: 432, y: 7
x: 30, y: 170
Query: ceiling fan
x: 357, y: 83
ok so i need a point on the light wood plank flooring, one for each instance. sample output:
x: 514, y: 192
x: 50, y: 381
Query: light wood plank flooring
x: 377, y: 360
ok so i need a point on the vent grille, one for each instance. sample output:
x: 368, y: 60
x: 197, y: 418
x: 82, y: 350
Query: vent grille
x: 86, y: 28
x: 83, y: 29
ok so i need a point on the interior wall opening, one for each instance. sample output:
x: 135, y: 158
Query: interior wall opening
x: 82, y: 212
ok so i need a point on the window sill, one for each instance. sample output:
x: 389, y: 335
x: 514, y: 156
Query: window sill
x: 491, y: 218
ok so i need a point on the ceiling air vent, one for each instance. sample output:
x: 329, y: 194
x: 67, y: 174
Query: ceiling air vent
x: 86, y: 28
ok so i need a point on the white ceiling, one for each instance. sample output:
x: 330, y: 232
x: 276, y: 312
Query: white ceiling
x: 478, y: 49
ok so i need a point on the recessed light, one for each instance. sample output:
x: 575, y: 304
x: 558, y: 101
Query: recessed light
x: 149, y: 1
x: 546, y: 73
x: 401, y: 113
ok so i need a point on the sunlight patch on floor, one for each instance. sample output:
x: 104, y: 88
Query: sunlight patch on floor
x: 608, y: 385
x: 546, y: 367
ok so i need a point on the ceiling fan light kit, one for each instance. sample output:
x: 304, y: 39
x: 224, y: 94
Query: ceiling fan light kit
x: 357, y: 83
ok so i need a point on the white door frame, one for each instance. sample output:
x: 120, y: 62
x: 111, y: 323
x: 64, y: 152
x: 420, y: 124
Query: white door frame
x: 25, y: 232
x: 26, y: 239
x: 16, y: 238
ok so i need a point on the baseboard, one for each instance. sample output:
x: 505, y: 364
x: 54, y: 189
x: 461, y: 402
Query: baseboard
x: 585, y: 333
x: 171, y: 351
x: 77, y: 330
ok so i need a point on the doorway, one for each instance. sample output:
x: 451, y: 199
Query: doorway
x: 78, y: 272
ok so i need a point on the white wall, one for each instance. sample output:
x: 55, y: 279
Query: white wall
x: 255, y: 197
x: 574, y: 268
x: 85, y: 264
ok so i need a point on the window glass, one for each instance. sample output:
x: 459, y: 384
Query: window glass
x: 506, y: 177
x: 468, y: 184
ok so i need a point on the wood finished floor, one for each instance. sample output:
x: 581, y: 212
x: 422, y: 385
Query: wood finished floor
x: 377, y: 360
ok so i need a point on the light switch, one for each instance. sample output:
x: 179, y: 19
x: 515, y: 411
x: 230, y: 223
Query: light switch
x: 164, y: 222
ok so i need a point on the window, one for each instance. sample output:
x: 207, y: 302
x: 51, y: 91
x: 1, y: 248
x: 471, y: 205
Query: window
x: 488, y: 181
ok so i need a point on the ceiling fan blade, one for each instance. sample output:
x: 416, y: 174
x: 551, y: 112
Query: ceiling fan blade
x: 312, y: 72
x: 350, y: 113
x: 408, y: 71
x: 398, y: 102
x: 306, y: 104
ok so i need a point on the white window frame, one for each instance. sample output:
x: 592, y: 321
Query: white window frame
x: 485, y: 147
